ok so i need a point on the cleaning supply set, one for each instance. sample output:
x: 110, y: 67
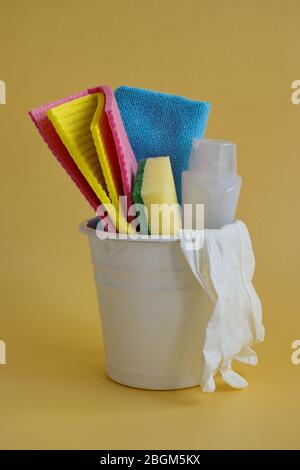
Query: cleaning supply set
x: 174, y: 312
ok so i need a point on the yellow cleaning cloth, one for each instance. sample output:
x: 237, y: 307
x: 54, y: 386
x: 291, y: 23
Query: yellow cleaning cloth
x: 77, y: 123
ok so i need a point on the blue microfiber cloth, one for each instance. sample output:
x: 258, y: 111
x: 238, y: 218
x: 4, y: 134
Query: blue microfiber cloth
x: 160, y: 124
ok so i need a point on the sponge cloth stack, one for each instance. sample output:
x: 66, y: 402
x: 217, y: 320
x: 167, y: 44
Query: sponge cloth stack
x: 82, y: 128
x: 52, y: 139
x: 162, y: 124
x: 154, y: 185
x: 72, y: 121
x: 93, y: 114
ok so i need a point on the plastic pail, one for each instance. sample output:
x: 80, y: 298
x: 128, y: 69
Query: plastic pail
x: 153, y: 312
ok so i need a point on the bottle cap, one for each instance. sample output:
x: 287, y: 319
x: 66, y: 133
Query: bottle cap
x: 213, y: 159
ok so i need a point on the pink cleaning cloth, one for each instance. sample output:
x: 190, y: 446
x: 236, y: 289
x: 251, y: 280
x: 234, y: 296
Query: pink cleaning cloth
x: 126, y: 158
x: 52, y: 139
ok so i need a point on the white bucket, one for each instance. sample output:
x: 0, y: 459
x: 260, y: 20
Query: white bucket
x: 153, y: 312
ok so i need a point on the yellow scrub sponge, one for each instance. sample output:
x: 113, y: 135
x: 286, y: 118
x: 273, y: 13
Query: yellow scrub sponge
x: 155, y: 188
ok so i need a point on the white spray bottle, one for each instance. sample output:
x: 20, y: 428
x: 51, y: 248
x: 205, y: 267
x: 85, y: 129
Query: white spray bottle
x: 212, y: 180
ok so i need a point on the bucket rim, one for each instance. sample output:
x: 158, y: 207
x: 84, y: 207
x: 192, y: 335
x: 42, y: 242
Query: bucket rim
x: 91, y: 232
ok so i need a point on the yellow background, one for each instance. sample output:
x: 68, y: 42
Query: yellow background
x: 242, y: 56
